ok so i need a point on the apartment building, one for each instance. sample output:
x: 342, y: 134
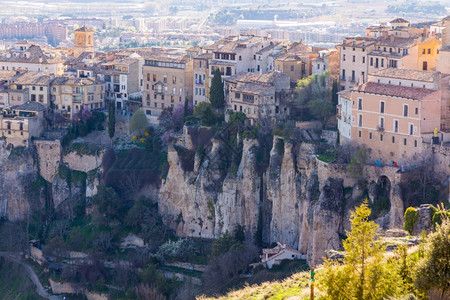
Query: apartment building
x: 20, y: 123
x: 258, y: 96
x: 393, y: 112
x: 236, y: 54
x: 398, y: 46
x: 168, y: 80
x: 69, y: 94
x: 327, y: 61
x: 122, y: 79
x: 32, y: 57
x: 201, y: 78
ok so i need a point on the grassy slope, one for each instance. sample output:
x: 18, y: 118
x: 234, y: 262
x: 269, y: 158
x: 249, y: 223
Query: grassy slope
x: 294, y: 287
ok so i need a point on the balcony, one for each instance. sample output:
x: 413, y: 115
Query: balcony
x: 380, y: 128
x: 77, y: 99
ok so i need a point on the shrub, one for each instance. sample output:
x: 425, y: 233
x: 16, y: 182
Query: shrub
x: 411, y: 217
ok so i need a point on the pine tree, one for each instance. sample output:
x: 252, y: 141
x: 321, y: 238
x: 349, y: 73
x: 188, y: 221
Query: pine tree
x: 334, y: 91
x: 216, y: 95
x: 112, y: 119
x: 363, y: 274
x: 433, y: 272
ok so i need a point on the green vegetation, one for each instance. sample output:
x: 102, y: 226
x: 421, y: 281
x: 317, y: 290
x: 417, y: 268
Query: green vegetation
x: 14, y: 283
x: 433, y: 271
x: 112, y: 119
x: 90, y: 122
x: 363, y: 267
x: 216, y: 95
x: 84, y: 149
x: 138, y: 122
x: 411, y: 217
x: 326, y: 157
x: 205, y: 113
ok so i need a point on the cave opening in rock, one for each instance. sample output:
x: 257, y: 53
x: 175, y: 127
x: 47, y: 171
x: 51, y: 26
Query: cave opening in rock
x: 381, y: 202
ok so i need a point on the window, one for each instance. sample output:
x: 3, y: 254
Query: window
x: 425, y: 66
x: 411, y: 129
x: 292, y: 68
x: 381, y: 123
x: 381, y: 137
x: 174, y: 79
x: 343, y: 74
x: 415, y: 143
x: 165, y: 79
x: 382, y: 107
x: 174, y: 91
x: 362, y: 76
x: 405, y: 110
x: 318, y: 66
x: 382, y: 63
x: 429, y: 51
x: 33, y: 88
x: 404, y: 142
x: 360, y: 103
x: 416, y: 110
x: 353, y: 75
x: 156, y: 104
x: 395, y: 125
x: 370, y: 135
x: 343, y: 57
x: 376, y: 62
x: 237, y: 95
x: 364, y: 60
x: 41, y: 88
x: 359, y: 133
x: 354, y: 58
x: 371, y: 61
x: 154, y: 77
x: 393, y: 139
x: 360, y: 120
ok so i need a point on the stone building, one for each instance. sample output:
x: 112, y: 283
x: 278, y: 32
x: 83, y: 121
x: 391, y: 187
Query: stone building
x: 258, y: 96
x: 84, y: 41
x: 20, y: 123
x: 69, y: 94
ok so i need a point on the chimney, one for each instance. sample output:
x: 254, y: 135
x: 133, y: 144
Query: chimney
x: 384, y: 34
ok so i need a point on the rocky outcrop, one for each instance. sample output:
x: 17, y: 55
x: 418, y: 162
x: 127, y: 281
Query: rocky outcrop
x: 21, y: 189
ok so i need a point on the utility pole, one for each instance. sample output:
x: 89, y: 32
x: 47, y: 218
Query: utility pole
x: 312, y: 283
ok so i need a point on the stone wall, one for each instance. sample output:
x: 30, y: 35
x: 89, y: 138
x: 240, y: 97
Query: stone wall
x: 49, y: 155
x: 330, y: 136
x: 83, y: 163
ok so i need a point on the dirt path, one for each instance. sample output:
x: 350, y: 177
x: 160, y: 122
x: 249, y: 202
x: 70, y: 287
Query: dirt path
x: 14, y: 256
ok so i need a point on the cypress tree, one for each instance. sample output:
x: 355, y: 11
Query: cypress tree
x: 216, y: 95
x: 112, y: 119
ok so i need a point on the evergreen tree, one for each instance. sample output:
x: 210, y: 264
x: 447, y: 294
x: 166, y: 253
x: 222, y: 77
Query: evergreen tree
x: 112, y: 119
x: 216, y: 95
x: 363, y: 274
x: 433, y: 272
x: 334, y: 91
x: 138, y: 122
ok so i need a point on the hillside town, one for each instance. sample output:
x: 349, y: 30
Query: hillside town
x: 394, y: 84
x: 186, y: 169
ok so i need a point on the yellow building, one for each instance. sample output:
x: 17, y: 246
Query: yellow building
x: 84, y: 41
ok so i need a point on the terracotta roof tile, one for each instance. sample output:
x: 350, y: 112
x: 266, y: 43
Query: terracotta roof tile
x: 397, y: 91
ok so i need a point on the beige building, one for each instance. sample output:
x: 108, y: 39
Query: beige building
x: 394, y: 112
x: 258, y: 96
x: 201, y: 78
x: 19, y: 124
x: 84, y: 41
x: 70, y: 94
x: 168, y: 80
x: 37, y: 85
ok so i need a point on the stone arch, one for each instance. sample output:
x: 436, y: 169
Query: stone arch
x: 380, y: 199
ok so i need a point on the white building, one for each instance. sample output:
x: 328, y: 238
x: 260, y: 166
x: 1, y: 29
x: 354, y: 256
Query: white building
x: 275, y: 255
x: 344, y: 116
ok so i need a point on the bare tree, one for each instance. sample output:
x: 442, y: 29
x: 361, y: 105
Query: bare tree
x: 103, y: 242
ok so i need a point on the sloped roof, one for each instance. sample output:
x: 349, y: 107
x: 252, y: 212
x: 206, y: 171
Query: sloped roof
x: 30, y: 106
x: 406, y: 74
x: 399, y: 20
x: 397, y: 91
x: 84, y: 29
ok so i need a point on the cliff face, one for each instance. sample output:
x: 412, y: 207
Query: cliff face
x: 21, y: 190
x: 31, y: 176
x: 288, y: 202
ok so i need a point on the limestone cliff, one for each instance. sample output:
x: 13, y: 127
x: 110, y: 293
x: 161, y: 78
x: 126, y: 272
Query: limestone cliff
x: 21, y: 189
